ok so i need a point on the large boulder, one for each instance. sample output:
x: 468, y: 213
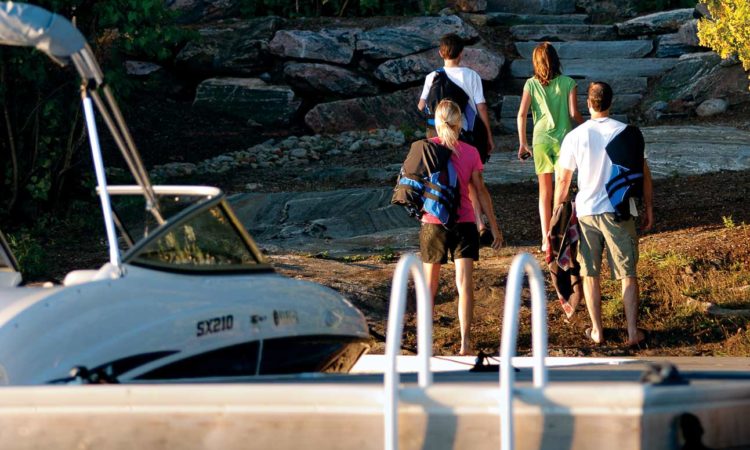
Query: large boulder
x: 239, y: 48
x: 657, y: 23
x: 712, y: 107
x: 672, y: 45
x: 414, y: 67
x: 700, y: 76
x: 250, y: 99
x: 499, y: 18
x: 532, y: 6
x: 315, y: 78
x: 336, y: 46
x: 399, y: 108
x: 194, y: 11
x: 688, y: 33
x: 414, y: 36
x: 693, y: 150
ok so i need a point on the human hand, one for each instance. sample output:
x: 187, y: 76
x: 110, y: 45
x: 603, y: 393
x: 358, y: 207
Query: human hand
x: 524, y: 152
x: 497, y: 240
x: 490, y: 144
x: 648, y: 219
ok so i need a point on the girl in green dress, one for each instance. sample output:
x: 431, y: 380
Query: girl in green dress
x: 552, y: 99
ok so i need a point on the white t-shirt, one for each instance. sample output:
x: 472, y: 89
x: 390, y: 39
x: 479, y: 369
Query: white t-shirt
x: 467, y: 79
x: 584, y: 149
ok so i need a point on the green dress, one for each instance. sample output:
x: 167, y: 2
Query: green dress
x: 549, y: 108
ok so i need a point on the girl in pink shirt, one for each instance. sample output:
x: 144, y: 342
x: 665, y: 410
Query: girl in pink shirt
x: 462, y: 240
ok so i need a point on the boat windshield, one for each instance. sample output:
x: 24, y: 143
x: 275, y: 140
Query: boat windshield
x: 204, y: 236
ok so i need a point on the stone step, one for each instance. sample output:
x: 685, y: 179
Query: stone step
x: 532, y: 6
x: 602, y: 68
x: 564, y: 32
x: 508, y: 124
x: 672, y: 46
x: 632, y: 85
x: 592, y: 49
x: 501, y: 18
x: 621, y: 104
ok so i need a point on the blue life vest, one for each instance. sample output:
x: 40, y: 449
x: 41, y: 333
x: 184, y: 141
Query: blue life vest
x: 428, y: 182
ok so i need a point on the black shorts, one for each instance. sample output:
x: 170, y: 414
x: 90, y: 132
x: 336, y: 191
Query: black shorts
x: 435, y: 241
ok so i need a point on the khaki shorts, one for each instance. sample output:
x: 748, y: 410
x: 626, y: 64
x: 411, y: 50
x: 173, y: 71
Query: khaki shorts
x: 621, y: 241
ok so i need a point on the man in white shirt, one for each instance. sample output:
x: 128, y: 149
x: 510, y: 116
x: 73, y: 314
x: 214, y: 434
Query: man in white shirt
x: 612, y: 169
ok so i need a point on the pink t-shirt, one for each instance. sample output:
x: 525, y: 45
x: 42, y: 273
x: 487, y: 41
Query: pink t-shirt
x: 466, y: 161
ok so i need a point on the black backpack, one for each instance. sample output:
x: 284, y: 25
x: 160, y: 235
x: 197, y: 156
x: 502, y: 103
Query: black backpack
x: 442, y: 88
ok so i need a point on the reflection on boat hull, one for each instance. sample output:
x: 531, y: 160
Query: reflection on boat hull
x: 331, y: 354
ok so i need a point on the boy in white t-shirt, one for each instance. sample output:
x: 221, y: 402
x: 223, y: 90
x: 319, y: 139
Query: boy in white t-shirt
x: 607, y: 154
x: 451, y: 50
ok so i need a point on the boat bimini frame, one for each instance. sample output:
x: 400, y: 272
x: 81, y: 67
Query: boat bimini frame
x: 31, y: 26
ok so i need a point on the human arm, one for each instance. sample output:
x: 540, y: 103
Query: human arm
x: 575, y: 115
x: 562, y: 186
x: 523, y: 112
x: 425, y: 91
x: 648, y: 197
x: 485, y: 117
x: 483, y: 195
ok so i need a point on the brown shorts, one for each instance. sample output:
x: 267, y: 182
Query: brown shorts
x: 435, y: 241
x: 621, y: 241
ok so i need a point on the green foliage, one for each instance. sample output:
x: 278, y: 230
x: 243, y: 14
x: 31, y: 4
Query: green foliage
x: 728, y: 221
x: 728, y: 30
x: 387, y: 255
x: 29, y: 253
x: 43, y: 140
x: 317, y: 8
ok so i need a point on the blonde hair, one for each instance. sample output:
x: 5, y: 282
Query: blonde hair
x: 448, y: 123
x: 546, y: 63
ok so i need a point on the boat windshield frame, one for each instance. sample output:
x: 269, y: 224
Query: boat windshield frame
x: 212, y: 197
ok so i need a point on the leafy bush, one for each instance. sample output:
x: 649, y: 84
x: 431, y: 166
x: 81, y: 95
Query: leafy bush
x: 728, y: 30
x: 29, y: 253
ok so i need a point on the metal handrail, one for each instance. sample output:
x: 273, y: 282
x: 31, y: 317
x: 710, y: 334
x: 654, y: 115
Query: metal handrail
x: 408, y: 264
x: 523, y: 264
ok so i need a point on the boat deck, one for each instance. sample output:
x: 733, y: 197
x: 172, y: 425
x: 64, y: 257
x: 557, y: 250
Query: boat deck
x: 587, y: 404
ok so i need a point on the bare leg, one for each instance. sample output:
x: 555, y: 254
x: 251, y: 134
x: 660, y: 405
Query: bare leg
x: 546, y: 190
x: 592, y: 294
x: 630, y: 301
x: 465, y: 286
x: 432, y: 275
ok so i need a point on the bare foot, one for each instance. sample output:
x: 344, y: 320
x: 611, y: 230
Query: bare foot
x: 640, y: 336
x: 594, y: 336
x: 465, y: 349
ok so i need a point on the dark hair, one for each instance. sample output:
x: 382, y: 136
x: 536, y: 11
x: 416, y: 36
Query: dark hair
x: 451, y: 46
x: 600, y: 96
x: 546, y: 63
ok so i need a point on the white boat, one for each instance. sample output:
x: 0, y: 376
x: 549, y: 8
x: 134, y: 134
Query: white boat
x: 189, y: 297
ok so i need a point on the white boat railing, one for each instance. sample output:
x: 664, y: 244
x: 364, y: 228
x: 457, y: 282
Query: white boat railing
x: 523, y: 264
x: 408, y: 264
